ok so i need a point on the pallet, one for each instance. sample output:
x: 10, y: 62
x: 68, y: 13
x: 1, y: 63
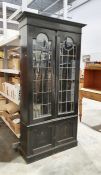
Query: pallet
x: 15, y: 128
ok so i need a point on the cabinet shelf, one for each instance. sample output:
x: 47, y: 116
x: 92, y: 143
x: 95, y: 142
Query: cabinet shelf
x: 93, y: 66
x: 6, y: 122
x: 92, y: 77
x: 10, y: 71
x: 91, y: 90
x: 11, y: 99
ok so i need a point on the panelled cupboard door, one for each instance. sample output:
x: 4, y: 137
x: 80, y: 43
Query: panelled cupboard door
x: 43, y: 138
x: 65, y: 131
x: 43, y: 57
x: 66, y: 75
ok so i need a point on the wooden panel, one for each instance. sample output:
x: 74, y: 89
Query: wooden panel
x: 88, y: 78
x: 81, y: 83
x: 42, y: 138
x: 93, y: 66
x: 97, y: 80
x: 92, y: 79
x: 64, y: 131
x: 91, y: 94
x: 8, y: 124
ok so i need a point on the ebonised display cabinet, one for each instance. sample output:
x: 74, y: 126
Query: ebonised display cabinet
x: 50, y: 60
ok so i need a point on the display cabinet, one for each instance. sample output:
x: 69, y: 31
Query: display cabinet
x: 49, y: 72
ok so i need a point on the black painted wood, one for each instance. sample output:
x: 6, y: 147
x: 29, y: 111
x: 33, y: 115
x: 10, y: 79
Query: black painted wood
x: 42, y: 135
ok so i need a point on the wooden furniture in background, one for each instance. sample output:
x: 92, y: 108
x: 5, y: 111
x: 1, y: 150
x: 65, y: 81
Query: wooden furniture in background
x: 81, y: 82
x: 92, y: 84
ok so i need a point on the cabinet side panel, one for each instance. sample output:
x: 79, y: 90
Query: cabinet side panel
x: 26, y: 76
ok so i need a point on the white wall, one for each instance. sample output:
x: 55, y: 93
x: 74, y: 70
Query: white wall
x: 90, y: 14
x: 10, y: 34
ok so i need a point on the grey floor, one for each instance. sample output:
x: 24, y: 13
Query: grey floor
x: 92, y: 114
x: 7, y: 154
x: 85, y: 159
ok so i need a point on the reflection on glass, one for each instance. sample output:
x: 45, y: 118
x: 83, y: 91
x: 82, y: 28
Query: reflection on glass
x: 66, y: 76
x: 41, y: 76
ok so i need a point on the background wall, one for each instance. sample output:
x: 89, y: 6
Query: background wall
x: 90, y: 14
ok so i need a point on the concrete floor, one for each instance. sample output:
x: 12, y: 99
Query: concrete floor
x: 7, y: 154
x: 85, y: 159
x: 92, y: 113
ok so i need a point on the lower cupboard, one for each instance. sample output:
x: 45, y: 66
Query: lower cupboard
x: 48, y: 137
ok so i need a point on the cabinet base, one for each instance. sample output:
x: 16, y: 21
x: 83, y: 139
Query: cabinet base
x: 36, y: 157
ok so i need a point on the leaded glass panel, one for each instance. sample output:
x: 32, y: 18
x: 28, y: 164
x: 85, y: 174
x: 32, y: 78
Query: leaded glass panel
x: 66, y: 76
x: 42, y: 76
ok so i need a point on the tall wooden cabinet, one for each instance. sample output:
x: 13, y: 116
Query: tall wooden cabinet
x: 50, y: 59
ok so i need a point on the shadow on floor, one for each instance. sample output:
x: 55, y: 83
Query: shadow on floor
x: 96, y: 127
x: 7, y: 138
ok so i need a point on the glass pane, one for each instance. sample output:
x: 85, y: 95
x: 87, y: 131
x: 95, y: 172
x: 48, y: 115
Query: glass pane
x: 42, y: 76
x: 66, y: 76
